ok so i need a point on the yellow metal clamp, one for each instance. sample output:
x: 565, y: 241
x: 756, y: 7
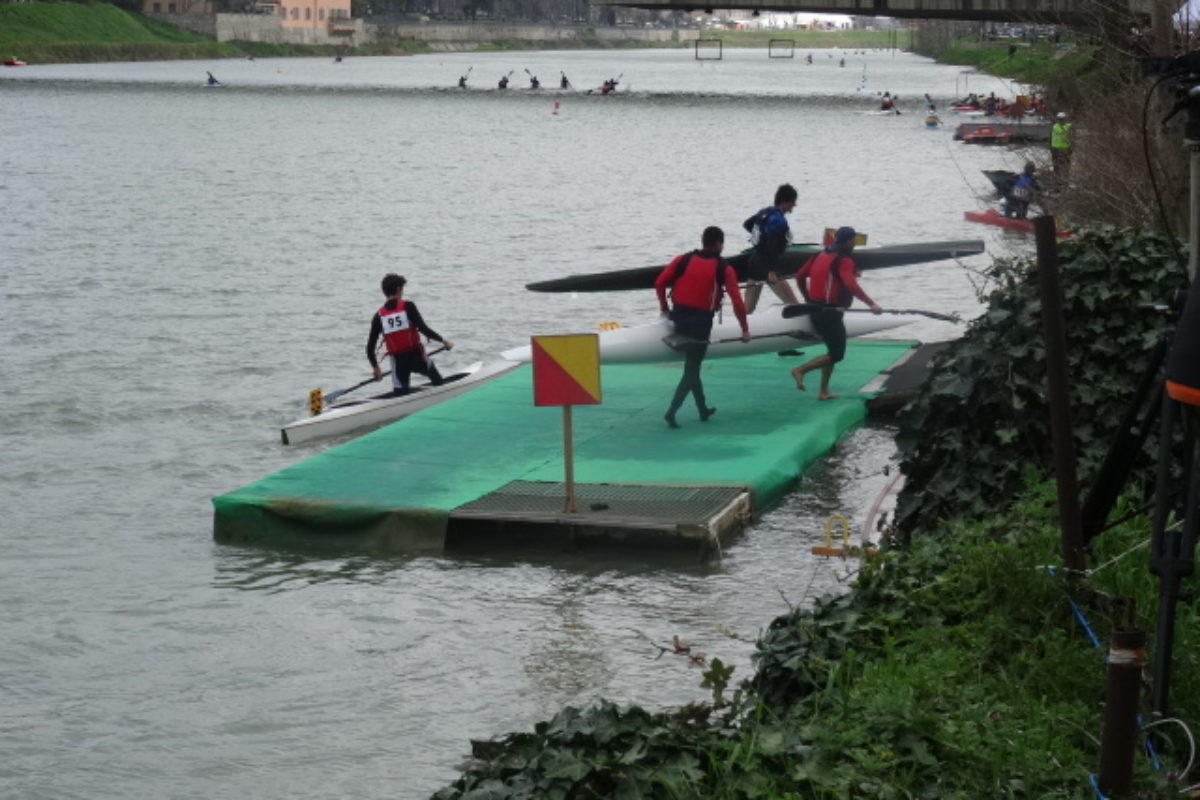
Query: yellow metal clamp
x: 833, y: 524
x: 316, y: 401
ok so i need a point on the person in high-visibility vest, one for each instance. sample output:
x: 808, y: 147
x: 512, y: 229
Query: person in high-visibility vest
x: 1060, y: 144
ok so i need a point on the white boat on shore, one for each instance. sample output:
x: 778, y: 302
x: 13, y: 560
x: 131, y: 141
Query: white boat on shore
x: 349, y: 415
x: 770, y: 332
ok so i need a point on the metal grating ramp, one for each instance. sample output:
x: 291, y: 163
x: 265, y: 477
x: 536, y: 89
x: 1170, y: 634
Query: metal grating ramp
x: 531, y: 512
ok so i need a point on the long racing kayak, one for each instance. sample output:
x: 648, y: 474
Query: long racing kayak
x: 896, y: 255
x: 770, y: 332
x: 350, y: 415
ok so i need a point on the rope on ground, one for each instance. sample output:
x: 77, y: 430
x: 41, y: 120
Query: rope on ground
x: 1191, y: 744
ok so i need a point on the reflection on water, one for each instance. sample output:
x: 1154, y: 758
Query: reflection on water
x: 183, y: 265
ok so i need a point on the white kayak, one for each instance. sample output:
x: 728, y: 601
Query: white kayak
x: 343, y: 417
x: 770, y: 332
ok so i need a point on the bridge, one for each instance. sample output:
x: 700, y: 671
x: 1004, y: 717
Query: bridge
x: 1075, y: 13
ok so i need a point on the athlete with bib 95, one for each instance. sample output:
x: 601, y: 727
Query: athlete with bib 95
x: 400, y: 324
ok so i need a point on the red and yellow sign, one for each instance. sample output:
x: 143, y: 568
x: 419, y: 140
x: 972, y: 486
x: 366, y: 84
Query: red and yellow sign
x: 860, y: 239
x: 566, y: 370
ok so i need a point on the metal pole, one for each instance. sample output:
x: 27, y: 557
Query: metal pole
x: 1193, y: 207
x: 569, y: 460
x: 1126, y: 657
x: 1057, y: 380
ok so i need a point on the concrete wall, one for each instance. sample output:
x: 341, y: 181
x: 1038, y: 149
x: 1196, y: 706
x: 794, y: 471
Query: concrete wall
x: 205, y: 24
x: 489, y: 32
x: 269, y: 28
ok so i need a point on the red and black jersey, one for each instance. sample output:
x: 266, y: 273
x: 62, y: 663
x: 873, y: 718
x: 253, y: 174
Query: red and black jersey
x: 401, y: 326
x: 697, y: 280
x: 828, y: 277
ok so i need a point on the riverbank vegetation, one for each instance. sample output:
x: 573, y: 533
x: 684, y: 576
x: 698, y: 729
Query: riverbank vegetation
x: 958, y: 665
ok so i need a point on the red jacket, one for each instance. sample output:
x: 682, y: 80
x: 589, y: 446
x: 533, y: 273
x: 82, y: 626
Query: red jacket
x: 824, y: 285
x: 399, y: 333
x: 698, y: 286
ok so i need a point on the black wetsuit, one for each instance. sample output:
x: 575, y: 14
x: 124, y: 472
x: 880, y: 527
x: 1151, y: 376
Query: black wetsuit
x: 410, y: 361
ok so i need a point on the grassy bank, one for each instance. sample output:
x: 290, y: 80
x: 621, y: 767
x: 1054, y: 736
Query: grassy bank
x: 1038, y: 63
x: 955, y: 668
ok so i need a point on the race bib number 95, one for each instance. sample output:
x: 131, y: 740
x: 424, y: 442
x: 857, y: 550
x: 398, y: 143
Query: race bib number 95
x: 393, y: 323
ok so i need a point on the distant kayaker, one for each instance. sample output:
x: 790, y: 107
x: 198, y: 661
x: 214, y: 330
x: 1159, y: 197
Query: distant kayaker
x: 1022, y: 192
x: 400, y: 324
x: 462, y: 81
x: 534, y: 83
x: 503, y: 82
x: 563, y: 83
x: 697, y: 280
x: 212, y: 81
x: 828, y: 280
x: 770, y: 235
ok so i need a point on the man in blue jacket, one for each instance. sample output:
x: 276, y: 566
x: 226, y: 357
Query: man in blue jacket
x: 770, y: 235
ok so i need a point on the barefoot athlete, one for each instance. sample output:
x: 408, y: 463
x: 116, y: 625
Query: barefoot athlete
x: 827, y: 280
x: 697, y: 279
x: 400, y: 324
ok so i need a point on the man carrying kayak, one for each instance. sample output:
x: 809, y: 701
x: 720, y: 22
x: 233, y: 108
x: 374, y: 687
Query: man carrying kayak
x: 400, y: 324
x: 697, y: 280
x: 827, y: 280
x: 770, y: 236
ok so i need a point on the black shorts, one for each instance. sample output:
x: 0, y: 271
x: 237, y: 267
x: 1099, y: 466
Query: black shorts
x: 695, y: 323
x: 829, y: 325
x: 759, y: 265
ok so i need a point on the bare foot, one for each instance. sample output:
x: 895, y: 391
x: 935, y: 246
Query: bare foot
x: 798, y: 376
x: 828, y: 396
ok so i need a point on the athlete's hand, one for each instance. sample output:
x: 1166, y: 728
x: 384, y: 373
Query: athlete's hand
x: 446, y: 343
x: 378, y: 372
x: 745, y: 336
x: 875, y: 309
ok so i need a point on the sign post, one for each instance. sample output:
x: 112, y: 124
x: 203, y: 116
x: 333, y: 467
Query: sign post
x: 566, y: 372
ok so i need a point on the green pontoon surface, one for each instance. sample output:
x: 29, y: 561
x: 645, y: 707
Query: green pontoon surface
x: 394, y: 488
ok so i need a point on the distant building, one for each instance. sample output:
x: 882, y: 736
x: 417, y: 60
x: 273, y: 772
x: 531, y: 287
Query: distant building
x: 331, y: 15
x: 177, y: 7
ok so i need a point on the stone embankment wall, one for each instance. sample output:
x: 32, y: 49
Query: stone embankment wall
x: 489, y: 32
x: 266, y: 28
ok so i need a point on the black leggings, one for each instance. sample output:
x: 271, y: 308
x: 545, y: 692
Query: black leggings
x: 408, y: 362
x: 694, y: 325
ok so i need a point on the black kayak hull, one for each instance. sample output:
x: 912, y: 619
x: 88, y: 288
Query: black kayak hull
x: 866, y: 258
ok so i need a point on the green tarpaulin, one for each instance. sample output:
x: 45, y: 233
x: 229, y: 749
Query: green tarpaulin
x: 394, y: 488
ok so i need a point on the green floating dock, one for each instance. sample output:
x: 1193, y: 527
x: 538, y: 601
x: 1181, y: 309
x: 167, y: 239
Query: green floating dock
x: 398, y: 487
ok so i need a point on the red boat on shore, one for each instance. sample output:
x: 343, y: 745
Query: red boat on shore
x: 14, y: 62
x: 993, y: 217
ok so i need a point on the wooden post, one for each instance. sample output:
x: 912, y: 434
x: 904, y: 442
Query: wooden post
x: 1126, y: 658
x: 568, y: 460
x: 1057, y: 397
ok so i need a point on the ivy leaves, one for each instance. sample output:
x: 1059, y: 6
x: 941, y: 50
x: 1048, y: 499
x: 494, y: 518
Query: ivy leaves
x: 983, y: 411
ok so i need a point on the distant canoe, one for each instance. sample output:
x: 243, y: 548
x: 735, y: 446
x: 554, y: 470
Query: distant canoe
x: 14, y: 62
x: 993, y: 217
x: 866, y: 258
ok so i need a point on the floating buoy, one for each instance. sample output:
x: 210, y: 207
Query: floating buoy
x: 555, y: 111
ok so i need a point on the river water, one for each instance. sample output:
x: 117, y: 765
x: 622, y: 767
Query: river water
x: 181, y: 264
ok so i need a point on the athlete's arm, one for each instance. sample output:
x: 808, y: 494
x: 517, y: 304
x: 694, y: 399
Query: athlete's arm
x: 372, y: 340
x: 846, y: 273
x: 418, y: 322
x: 663, y: 281
x: 735, y: 297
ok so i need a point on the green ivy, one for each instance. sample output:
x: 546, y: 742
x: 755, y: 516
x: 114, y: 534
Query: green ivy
x: 982, y: 414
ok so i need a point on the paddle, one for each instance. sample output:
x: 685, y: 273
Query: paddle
x: 329, y: 398
x: 801, y: 309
